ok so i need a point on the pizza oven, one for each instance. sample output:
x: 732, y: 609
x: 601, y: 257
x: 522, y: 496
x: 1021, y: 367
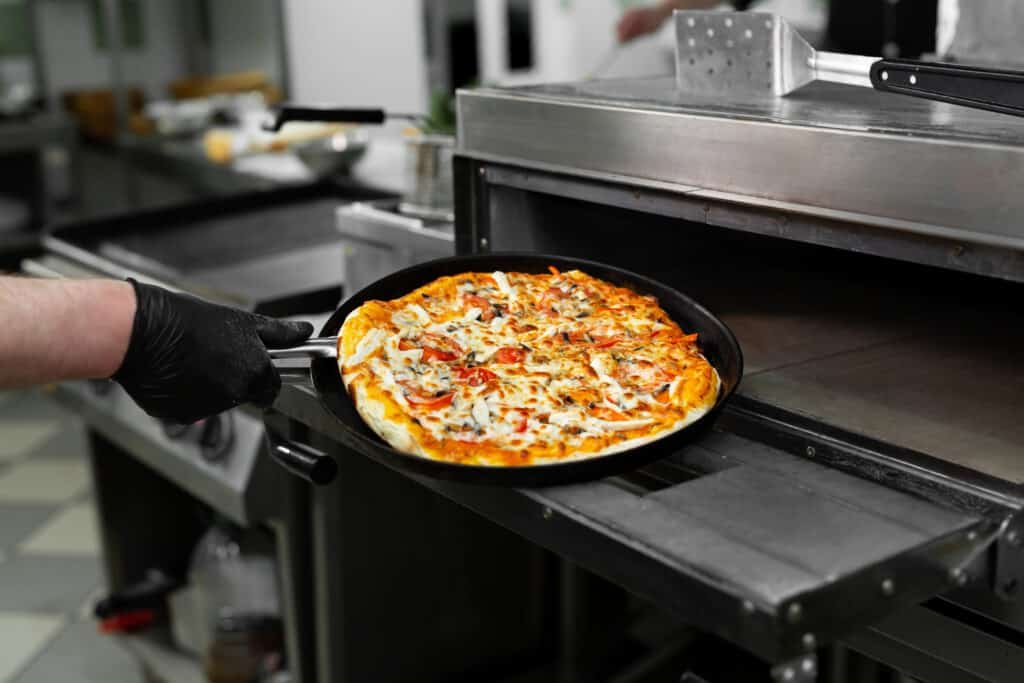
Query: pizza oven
x: 856, y: 509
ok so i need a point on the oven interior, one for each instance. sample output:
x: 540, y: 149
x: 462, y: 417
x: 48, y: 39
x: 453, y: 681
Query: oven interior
x: 923, y: 359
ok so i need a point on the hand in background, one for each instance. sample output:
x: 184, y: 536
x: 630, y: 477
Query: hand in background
x: 641, y: 21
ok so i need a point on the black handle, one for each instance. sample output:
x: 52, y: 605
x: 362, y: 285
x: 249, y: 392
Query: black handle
x: 148, y: 593
x: 992, y: 89
x: 291, y: 112
x: 301, y: 460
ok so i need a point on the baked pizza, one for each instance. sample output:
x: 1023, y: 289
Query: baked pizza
x: 509, y: 369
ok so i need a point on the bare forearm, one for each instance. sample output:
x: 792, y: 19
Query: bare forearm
x: 62, y: 329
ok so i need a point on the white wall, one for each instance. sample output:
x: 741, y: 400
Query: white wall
x: 357, y: 52
x: 72, y: 60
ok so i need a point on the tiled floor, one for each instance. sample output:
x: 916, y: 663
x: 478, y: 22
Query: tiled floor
x: 49, y: 563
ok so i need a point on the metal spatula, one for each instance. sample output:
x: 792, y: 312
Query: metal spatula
x: 749, y: 53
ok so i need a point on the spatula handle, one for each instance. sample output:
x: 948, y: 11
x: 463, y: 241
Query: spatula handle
x: 292, y: 112
x: 992, y: 89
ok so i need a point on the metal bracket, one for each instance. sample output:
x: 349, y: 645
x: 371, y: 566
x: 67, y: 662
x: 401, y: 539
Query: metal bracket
x: 1008, y: 574
x: 800, y: 670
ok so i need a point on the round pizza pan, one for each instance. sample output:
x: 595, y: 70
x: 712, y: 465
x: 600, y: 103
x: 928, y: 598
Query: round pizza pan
x: 716, y: 341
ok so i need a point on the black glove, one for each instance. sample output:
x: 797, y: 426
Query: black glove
x: 189, y: 359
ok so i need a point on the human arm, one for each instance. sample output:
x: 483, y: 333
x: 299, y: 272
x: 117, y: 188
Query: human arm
x: 180, y: 358
x: 62, y: 329
x: 641, y: 21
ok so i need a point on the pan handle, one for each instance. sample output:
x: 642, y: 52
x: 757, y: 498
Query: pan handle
x: 317, y: 347
x: 992, y: 89
x: 301, y: 460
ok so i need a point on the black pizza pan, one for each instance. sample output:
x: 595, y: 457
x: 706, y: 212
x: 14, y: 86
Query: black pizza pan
x: 715, y: 339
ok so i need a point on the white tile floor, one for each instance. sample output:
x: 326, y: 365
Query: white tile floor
x: 49, y: 551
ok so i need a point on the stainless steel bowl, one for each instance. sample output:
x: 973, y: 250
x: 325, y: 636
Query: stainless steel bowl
x: 332, y: 155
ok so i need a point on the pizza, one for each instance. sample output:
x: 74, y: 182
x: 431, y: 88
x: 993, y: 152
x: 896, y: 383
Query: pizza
x: 512, y: 369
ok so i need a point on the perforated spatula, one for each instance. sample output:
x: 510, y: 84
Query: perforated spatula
x: 750, y: 53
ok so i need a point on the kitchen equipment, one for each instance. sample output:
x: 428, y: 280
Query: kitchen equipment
x: 286, y: 113
x: 740, y: 54
x: 717, y: 343
x: 379, y: 240
x: 158, y: 486
x: 336, y: 153
x: 429, y: 172
x: 428, y: 157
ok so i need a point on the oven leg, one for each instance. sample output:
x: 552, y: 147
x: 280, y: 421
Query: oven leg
x: 800, y: 670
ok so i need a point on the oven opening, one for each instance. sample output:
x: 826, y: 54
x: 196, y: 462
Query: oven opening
x: 926, y: 360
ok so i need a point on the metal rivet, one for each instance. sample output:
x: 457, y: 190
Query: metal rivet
x: 809, y: 642
x: 811, y: 452
x: 972, y: 536
x: 788, y: 674
x: 913, y: 79
x: 711, y: 33
x: 548, y: 513
x: 748, y: 607
x: 768, y: 24
x: 807, y: 665
x: 690, y: 22
x: 691, y: 42
x: 1013, y: 537
x: 888, y: 587
x: 748, y: 33
x: 794, y: 613
x: 728, y: 22
x: 730, y: 42
x: 484, y: 242
x: 482, y: 171
x: 885, y: 75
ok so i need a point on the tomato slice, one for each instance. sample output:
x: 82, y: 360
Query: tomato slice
x: 485, y: 306
x: 430, y: 402
x: 435, y: 347
x: 509, y: 354
x: 474, y: 377
x: 606, y: 342
x: 430, y: 353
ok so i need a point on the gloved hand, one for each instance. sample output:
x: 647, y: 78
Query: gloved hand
x: 189, y: 359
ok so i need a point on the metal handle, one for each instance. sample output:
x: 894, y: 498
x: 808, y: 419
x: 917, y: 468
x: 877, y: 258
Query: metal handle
x: 317, y: 347
x: 836, y: 67
x: 292, y: 112
x: 302, y: 461
x: 990, y: 89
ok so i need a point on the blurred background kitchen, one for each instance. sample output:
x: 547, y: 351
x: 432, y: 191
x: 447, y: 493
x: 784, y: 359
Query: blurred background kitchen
x: 150, y: 114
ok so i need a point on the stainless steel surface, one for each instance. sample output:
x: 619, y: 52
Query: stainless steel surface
x: 750, y: 53
x: 335, y: 154
x: 429, y: 167
x: 379, y: 240
x: 240, y: 483
x: 847, y: 158
x: 317, y: 347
